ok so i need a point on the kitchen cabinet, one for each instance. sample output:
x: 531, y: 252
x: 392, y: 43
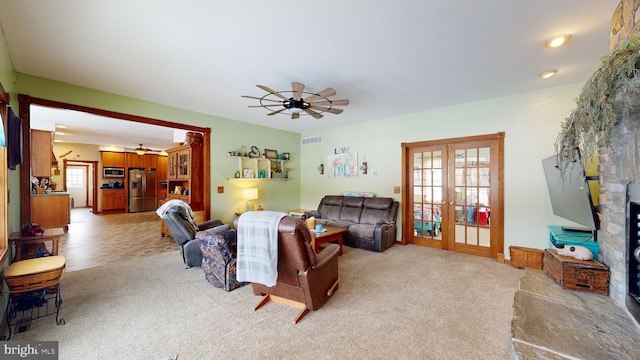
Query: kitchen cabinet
x: 185, y: 178
x: 149, y: 161
x: 51, y: 210
x: 41, y: 151
x: 112, y: 159
x: 114, y: 200
x: 133, y: 160
x: 172, y: 165
x: 146, y: 161
x: 161, y: 177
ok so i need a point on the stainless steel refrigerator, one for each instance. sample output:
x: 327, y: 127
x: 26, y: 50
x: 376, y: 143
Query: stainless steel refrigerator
x: 142, y: 190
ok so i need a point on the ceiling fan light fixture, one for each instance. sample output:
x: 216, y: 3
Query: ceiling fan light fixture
x: 295, y: 110
x: 141, y: 151
x: 547, y: 74
x: 557, y: 41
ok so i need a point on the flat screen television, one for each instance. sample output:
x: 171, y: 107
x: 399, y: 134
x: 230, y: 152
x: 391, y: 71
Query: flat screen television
x: 571, y: 196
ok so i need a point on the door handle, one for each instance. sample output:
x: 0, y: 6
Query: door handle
x: 452, y: 203
x: 444, y: 203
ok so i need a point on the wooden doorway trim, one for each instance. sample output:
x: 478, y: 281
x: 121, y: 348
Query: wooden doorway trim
x: 5, y: 99
x: 498, y: 205
x: 94, y: 182
x: 25, y: 102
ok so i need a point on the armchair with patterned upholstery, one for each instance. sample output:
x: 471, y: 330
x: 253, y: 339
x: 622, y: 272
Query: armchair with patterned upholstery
x: 219, y: 253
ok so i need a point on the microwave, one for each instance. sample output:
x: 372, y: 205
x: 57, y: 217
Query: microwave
x: 111, y: 172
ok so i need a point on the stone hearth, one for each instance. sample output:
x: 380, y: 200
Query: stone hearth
x: 552, y: 323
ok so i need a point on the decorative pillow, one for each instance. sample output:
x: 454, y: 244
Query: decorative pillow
x: 576, y: 252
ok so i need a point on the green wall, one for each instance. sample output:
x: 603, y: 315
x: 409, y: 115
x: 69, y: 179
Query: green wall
x: 530, y: 121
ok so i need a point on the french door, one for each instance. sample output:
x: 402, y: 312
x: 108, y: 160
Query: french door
x: 452, y: 197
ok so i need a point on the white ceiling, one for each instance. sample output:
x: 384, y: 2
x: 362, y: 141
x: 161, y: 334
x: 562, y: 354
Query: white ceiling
x: 388, y: 58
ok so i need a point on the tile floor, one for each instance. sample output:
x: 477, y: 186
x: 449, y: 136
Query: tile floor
x: 95, y: 240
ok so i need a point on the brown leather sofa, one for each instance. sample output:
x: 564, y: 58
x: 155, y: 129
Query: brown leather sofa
x: 303, y: 276
x: 370, y: 222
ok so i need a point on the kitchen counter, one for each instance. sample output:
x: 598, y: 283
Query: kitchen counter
x: 54, y: 193
x: 51, y: 210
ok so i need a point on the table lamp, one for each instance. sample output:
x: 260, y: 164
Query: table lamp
x: 250, y: 195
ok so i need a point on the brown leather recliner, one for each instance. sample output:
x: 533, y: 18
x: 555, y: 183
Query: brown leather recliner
x: 305, y: 279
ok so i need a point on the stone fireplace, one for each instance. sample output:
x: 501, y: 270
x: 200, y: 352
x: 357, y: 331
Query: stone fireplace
x: 619, y: 175
x: 619, y: 167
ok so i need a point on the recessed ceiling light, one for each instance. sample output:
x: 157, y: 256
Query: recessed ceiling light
x: 61, y: 126
x: 547, y: 74
x: 557, y: 41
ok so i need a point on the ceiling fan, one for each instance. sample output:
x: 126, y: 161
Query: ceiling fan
x: 143, y: 150
x: 313, y: 104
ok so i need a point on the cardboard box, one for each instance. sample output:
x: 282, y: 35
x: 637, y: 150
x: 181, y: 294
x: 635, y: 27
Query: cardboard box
x: 572, y: 274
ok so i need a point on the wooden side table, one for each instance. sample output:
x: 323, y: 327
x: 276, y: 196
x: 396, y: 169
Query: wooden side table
x: 20, y: 240
x: 331, y: 234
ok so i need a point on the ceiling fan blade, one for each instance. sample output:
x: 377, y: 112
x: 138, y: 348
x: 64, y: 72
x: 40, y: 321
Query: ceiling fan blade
x: 258, y: 98
x: 297, y: 90
x: 322, y: 94
x: 344, y: 102
x: 270, y: 91
x: 329, y: 110
x: 313, y: 113
x: 277, y: 111
x: 295, y: 115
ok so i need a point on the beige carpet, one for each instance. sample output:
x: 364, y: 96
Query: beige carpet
x: 409, y: 302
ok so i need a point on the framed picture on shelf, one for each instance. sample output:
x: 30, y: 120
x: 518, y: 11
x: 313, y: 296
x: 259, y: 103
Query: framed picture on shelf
x: 247, y: 174
x: 285, y: 156
x: 270, y: 154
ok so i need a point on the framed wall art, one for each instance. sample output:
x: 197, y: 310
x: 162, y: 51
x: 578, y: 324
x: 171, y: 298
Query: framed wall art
x: 343, y: 165
x: 270, y: 154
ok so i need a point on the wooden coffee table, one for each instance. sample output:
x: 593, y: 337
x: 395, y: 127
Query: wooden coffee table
x: 332, y: 234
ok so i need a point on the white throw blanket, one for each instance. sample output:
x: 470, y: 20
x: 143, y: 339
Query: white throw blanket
x: 258, y: 247
x: 169, y: 206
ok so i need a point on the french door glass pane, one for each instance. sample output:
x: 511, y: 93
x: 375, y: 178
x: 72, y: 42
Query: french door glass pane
x: 427, y: 194
x: 472, y: 192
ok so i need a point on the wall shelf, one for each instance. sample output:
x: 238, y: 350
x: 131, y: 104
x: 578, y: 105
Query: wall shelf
x: 255, y: 165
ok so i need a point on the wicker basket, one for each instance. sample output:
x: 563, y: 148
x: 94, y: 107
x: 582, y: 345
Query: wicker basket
x: 33, y: 274
x: 523, y: 257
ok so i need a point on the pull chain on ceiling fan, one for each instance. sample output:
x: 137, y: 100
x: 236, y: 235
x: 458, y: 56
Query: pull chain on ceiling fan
x: 314, y: 104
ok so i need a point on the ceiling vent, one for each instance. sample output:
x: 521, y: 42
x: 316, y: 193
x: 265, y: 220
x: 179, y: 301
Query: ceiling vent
x: 311, y: 140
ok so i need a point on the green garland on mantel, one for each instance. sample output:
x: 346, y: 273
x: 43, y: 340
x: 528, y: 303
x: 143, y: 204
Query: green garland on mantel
x: 610, y: 93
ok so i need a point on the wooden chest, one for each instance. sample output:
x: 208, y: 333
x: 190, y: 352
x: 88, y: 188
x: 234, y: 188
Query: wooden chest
x: 572, y: 274
x: 524, y: 257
